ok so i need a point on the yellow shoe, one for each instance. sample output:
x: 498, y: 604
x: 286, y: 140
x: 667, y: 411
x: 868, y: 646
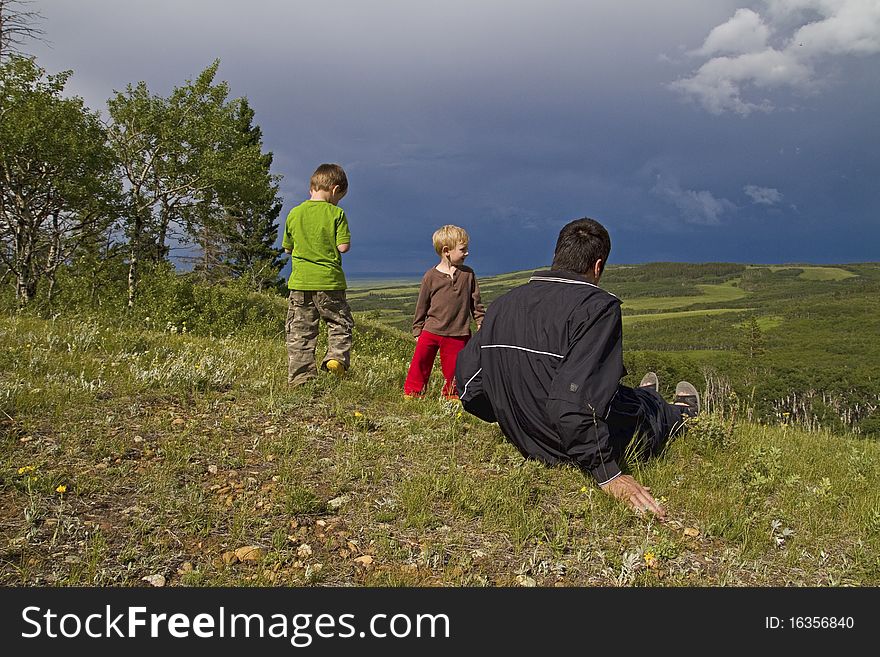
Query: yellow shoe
x: 336, y: 367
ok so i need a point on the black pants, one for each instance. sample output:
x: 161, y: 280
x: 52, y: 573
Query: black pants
x: 641, y: 421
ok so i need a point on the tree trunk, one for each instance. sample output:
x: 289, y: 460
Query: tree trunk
x: 134, y: 243
x: 50, y: 289
x: 132, y: 276
x: 25, y: 289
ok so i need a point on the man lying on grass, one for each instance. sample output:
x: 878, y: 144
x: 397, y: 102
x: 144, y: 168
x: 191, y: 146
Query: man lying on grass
x: 546, y: 365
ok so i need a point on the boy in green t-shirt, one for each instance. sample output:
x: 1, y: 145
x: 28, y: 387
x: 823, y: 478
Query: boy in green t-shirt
x: 316, y: 235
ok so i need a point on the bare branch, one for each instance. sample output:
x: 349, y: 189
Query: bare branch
x: 18, y: 24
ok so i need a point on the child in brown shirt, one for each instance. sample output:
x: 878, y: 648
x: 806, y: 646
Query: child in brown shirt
x: 448, y: 297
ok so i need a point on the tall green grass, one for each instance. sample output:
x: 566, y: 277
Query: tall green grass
x: 176, y: 449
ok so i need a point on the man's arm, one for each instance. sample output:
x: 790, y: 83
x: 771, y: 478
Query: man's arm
x: 469, y: 380
x: 580, y: 397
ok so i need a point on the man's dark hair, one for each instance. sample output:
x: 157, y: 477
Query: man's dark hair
x: 580, y: 244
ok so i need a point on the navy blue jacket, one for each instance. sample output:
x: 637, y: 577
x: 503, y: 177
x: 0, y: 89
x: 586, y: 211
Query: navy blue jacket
x: 545, y: 365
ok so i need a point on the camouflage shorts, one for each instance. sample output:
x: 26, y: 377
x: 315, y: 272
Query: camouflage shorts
x: 304, y: 311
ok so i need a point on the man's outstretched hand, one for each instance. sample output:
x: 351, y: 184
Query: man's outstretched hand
x: 633, y: 493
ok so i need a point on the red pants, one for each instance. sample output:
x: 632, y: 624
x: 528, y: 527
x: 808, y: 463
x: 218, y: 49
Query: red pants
x: 423, y: 362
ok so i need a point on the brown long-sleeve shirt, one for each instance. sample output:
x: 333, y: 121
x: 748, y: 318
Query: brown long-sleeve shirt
x: 446, y: 304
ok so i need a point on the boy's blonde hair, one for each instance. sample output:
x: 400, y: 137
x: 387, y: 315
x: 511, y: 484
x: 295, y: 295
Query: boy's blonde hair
x: 449, y: 236
x: 328, y: 176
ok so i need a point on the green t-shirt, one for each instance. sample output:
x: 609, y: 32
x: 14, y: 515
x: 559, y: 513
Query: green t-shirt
x: 312, y: 232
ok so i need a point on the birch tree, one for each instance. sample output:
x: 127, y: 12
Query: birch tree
x: 56, y: 174
x: 180, y: 157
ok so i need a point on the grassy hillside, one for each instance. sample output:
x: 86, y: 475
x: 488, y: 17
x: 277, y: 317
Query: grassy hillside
x: 157, y: 450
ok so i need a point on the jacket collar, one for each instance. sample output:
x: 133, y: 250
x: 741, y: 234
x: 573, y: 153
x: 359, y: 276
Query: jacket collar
x: 565, y: 277
x: 561, y: 274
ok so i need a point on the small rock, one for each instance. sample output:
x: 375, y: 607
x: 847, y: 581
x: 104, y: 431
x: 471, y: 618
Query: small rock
x: 178, y: 421
x: 337, y: 502
x: 229, y: 557
x: 691, y: 531
x: 185, y: 567
x: 154, y: 580
x: 525, y: 580
x: 366, y: 561
x: 212, y: 469
x: 138, y: 439
x: 304, y: 550
x: 250, y: 553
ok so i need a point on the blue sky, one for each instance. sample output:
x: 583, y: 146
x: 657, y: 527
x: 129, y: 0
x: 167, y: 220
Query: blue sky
x: 695, y: 130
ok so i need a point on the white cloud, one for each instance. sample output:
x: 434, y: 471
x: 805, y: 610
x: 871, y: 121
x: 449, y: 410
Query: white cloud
x: 721, y: 83
x: 743, y: 65
x: 745, y: 32
x: 763, y: 195
x: 696, y: 207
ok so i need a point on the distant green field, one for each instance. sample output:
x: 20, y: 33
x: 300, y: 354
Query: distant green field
x: 770, y: 322
x: 710, y: 294
x: 396, y: 293
x: 635, y: 319
x: 817, y: 273
x: 380, y: 283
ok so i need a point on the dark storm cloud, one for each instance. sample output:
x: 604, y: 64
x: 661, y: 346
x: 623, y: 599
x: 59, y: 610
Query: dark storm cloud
x: 511, y: 118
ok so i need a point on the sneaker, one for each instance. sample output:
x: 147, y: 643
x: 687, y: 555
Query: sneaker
x: 411, y: 395
x: 335, y: 367
x: 651, y: 381
x: 687, y: 395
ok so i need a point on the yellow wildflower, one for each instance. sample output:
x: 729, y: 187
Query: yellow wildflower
x: 650, y: 559
x: 26, y: 469
x: 61, y: 489
x: 583, y: 489
x: 358, y: 414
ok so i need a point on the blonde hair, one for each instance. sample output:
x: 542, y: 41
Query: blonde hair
x: 449, y: 236
x: 328, y: 176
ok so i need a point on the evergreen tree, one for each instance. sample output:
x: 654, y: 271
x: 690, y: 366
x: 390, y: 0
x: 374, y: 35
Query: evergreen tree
x: 752, y: 343
x: 236, y: 238
x: 250, y: 228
